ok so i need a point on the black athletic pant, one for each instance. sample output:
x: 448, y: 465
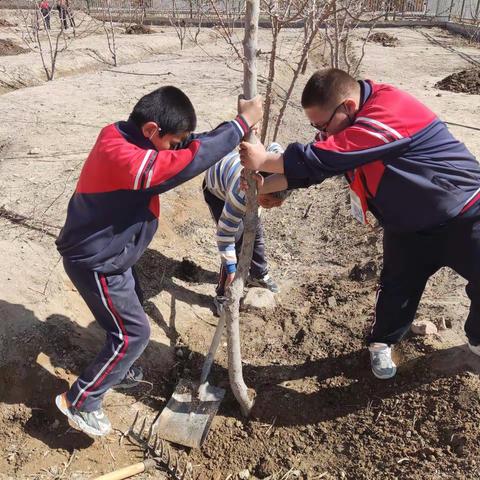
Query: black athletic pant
x: 115, y: 302
x: 46, y: 17
x: 63, y: 12
x: 409, y: 259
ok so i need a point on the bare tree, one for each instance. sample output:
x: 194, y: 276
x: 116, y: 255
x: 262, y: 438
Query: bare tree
x: 281, y: 14
x: 38, y: 38
x: 179, y: 24
x: 199, y: 10
x: 318, y: 17
x: 109, y: 29
x: 226, y: 27
x: 132, y: 14
x: 49, y: 43
x: 339, y: 19
x: 235, y: 291
x: 339, y: 29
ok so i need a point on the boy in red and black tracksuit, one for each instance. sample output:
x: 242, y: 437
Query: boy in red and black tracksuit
x: 111, y: 219
x: 407, y: 169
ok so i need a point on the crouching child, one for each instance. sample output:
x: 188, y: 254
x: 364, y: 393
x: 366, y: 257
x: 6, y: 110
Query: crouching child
x: 227, y: 204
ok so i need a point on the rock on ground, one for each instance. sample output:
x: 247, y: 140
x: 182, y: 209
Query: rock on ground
x: 259, y: 298
x: 424, y: 327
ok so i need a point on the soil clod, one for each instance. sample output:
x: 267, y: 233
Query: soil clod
x: 384, y: 39
x: 466, y: 81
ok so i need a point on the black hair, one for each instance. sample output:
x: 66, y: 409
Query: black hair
x: 169, y: 108
x: 328, y: 87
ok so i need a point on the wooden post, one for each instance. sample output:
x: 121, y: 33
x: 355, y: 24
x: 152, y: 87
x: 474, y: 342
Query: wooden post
x: 235, y: 291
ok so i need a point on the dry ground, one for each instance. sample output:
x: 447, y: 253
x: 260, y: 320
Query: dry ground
x: 319, y: 413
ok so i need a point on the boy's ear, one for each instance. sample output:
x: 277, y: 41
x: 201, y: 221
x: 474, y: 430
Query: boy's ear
x: 351, y: 106
x: 149, y: 129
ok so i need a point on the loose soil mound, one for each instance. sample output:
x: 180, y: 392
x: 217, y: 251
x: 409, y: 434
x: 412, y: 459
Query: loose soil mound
x: 383, y: 39
x: 137, y: 29
x: 4, y: 23
x: 466, y: 81
x: 7, y: 47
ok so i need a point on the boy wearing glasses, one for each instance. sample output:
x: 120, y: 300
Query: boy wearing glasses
x: 405, y: 167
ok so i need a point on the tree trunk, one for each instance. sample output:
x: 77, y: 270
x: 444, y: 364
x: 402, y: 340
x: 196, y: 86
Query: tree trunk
x: 235, y: 291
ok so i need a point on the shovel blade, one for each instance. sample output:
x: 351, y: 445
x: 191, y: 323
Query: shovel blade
x: 187, y: 417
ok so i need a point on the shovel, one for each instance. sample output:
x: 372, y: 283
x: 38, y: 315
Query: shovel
x: 187, y: 417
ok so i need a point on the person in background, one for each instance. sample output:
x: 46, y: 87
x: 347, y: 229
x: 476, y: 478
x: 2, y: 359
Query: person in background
x: 64, y: 12
x: 45, y: 9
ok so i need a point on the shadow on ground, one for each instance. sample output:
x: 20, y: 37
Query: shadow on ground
x: 32, y: 352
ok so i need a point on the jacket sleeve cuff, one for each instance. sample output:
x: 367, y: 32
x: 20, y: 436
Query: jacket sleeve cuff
x: 241, y: 124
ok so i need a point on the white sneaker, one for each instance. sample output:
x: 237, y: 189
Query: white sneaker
x: 93, y: 423
x: 474, y: 348
x: 383, y: 366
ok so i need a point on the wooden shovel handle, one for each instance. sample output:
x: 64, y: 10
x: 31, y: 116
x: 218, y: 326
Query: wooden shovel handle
x: 127, y: 472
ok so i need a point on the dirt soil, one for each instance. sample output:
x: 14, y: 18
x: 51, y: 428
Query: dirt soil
x: 7, y: 47
x: 319, y: 412
x: 466, y: 81
x: 137, y: 29
x: 383, y: 39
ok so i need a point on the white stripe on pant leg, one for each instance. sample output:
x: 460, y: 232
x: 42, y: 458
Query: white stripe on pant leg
x: 117, y: 351
x: 472, y: 197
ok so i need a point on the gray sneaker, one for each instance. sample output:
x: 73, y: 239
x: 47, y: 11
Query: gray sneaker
x: 383, y: 366
x: 133, y: 378
x: 92, y: 423
x: 264, y: 282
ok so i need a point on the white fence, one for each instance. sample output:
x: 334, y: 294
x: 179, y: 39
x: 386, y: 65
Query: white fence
x: 455, y: 10
x: 462, y: 11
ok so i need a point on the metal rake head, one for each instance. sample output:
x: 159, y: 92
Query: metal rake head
x: 177, y: 466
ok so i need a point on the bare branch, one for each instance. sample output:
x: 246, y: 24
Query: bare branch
x: 226, y: 32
